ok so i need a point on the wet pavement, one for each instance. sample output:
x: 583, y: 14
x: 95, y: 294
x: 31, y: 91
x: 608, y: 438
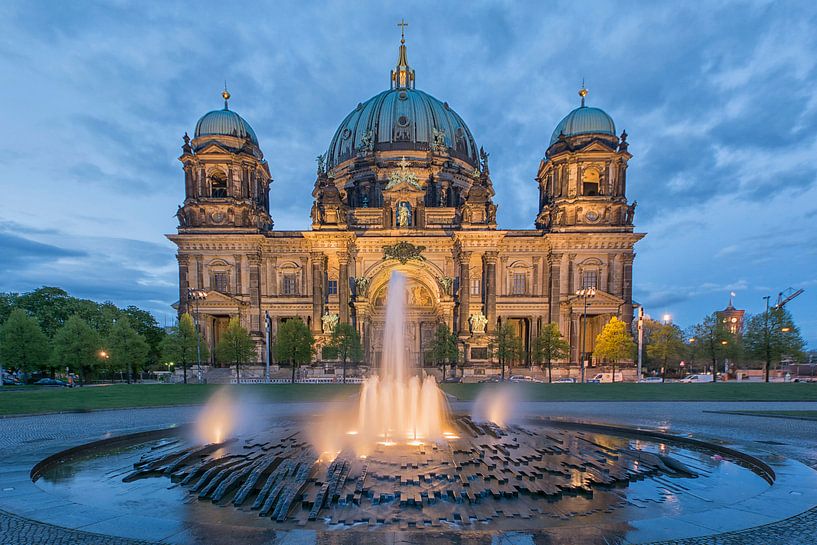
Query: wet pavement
x: 29, y: 439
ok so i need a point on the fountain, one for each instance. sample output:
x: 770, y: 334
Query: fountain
x: 398, y: 458
x: 396, y: 405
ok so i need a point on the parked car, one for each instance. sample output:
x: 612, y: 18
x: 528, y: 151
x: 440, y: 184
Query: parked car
x: 565, y: 380
x: 452, y: 379
x: 525, y: 378
x: 606, y: 377
x: 651, y: 380
x: 10, y: 381
x: 696, y: 378
x: 489, y: 379
x: 50, y: 382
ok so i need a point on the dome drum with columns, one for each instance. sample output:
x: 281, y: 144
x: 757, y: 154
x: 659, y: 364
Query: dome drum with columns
x: 404, y: 186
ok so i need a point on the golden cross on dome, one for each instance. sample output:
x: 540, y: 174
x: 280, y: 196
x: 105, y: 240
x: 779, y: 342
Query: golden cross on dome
x: 402, y: 24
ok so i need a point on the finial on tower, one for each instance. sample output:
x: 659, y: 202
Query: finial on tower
x: 402, y: 77
x: 583, y: 92
x: 402, y: 24
x: 225, y: 94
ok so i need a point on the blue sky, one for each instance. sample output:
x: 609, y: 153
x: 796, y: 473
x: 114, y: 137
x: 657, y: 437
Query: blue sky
x: 719, y: 100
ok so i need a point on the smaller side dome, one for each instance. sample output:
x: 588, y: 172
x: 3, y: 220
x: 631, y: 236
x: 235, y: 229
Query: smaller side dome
x: 584, y: 120
x: 225, y: 122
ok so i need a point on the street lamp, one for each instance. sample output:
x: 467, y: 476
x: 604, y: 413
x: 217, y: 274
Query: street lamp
x: 196, y: 296
x: 585, y: 293
x: 667, y: 318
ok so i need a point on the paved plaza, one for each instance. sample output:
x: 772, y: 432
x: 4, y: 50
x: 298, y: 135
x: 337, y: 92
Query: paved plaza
x: 34, y: 438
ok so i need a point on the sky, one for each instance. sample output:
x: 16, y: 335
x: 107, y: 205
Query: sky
x: 719, y: 99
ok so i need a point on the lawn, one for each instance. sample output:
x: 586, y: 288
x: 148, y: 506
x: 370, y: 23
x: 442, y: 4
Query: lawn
x: 31, y: 400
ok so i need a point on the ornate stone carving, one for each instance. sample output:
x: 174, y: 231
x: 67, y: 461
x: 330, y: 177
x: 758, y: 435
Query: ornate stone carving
x: 478, y: 323
x: 367, y: 142
x: 328, y: 322
x: 321, y: 160
x: 361, y: 286
x: 446, y: 283
x: 403, y: 214
x: 403, y: 175
x: 403, y: 252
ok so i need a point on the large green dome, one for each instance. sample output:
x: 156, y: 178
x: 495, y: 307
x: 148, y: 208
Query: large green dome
x: 402, y: 118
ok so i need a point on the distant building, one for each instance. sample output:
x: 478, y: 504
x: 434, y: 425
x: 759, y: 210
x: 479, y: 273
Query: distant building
x: 731, y: 317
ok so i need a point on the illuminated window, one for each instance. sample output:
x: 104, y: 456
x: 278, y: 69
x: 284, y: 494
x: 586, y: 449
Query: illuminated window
x: 289, y: 285
x: 332, y: 287
x: 220, y: 282
x: 519, y: 284
x: 590, y: 279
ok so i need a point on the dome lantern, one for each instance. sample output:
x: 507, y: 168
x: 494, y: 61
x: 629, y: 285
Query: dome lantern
x: 402, y: 77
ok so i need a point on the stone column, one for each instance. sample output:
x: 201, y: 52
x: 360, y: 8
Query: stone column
x: 490, y: 289
x: 238, y: 287
x: 554, y: 297
x: 317, y: 290
x: 255, y: 292
x: 465, y: 292
x: 343, y: 287
x: 184, y: 263
x: 627, y: 308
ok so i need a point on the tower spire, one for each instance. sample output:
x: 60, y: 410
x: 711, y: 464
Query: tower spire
x: 225, y: 94
x: 583, y: 92
x: 402, y: 77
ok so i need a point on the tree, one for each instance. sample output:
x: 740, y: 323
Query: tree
x: 713, y: 339
x: 345, y: 341
x: 127, y: 349
x: 145, y: 324
x: 666, y: 342
x: 294, y: 344
x: 614, y: 343
x: 23, y: 345
x: 236, y: 347
x: 443, y: 350
x: 506, y: 346
x: 181, y: 345
x: 76, y: 345
x: 771, y: 336
x: 549, y: 346
x: 51, y: 307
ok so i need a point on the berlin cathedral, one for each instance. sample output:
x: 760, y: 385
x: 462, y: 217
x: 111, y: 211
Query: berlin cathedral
x: 404, y: 187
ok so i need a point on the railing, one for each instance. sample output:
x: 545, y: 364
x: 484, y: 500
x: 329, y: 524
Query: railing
x: 321, y: 380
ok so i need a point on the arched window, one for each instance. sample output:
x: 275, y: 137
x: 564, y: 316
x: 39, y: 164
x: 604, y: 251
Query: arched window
x: 590, y: 182
x: 218, y: 184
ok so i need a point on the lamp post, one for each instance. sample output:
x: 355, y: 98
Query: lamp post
x: 196, y: 296
x: 584, y: 293
x: 640, y: 342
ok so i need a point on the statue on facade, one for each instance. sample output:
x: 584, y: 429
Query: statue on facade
x: 438, y: 145
x: 367, y: 141
x: 321, y: 160
x: 181, y: 216
x: 631, y: 213
x: 443, y: 196
x: 403, y: 214
x: 483, y: 159
x: 328, y: 322
x: 478, y: 323
x: 491, y: 212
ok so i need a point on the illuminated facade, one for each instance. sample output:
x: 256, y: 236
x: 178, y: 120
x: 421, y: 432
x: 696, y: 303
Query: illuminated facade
x: 404, y: 186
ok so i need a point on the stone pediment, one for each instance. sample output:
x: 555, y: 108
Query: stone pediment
x: 218, y: 299
x: 213, y: 146
x: 601, y: 299
x: 595, y: 145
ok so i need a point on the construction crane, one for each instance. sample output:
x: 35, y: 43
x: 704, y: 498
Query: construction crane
x: 791, y: 293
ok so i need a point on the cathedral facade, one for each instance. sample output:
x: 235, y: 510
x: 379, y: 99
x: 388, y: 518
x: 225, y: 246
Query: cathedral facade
x: 404, y: 187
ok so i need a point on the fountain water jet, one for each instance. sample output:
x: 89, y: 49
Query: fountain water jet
x: 396, y: 405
